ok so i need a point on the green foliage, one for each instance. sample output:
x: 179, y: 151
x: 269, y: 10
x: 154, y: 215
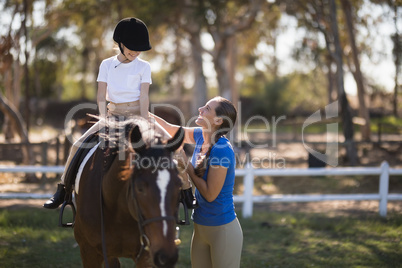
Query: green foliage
x: 31, y: 238
x: 296, y: 94
x: 46, y: 73
x: 389, y: 124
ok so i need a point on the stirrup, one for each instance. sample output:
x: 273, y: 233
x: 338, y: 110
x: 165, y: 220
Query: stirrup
x: 186, y: 220
x: 67, y: 202
x: 188, y: 197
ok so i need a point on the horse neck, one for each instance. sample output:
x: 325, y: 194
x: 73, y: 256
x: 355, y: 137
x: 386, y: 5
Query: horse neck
x: 115, y: 184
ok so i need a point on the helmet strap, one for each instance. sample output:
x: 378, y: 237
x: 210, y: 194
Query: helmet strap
x: 121, y: 50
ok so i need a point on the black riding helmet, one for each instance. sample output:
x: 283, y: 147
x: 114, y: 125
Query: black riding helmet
x: 133, y: 34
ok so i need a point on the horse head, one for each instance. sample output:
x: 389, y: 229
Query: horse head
x: 155, y: 189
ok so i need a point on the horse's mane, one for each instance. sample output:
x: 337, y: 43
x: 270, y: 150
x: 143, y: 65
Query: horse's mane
x: 117, y: 131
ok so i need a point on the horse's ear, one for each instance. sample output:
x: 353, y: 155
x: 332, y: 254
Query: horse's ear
x: 174, y: 143
x: 135, y: 139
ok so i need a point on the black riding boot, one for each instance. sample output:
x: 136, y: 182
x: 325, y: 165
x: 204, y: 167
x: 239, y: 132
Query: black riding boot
x: 189, y: 198
x: 57, y: 199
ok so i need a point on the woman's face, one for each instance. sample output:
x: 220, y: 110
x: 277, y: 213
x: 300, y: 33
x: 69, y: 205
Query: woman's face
x: 207, y: 115
x: 130, y: 54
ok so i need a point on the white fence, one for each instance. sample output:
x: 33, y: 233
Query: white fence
x: 383, y: 196
x: 249, y: 172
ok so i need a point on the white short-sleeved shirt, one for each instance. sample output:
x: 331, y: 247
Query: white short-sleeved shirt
x: 124, y: 79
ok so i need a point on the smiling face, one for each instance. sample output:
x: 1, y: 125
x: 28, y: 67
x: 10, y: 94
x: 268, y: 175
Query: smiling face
x: 130, y: 54
x: 207, y: 118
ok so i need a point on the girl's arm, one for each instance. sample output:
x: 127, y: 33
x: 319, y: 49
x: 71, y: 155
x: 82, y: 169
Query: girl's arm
x: 144, y: 100
x: 101, y: 98
x: 210, y: 188
x: 172, y: 129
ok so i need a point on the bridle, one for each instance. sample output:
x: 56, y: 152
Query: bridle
x: 144, y: 240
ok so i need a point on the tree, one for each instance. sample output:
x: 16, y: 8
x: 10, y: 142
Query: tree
x: 396, y: 7
x: 345, y: 108
x: 357, y: 74
x: 397, y: 53
x: 321, y: 16
x: 191, y: 22
x: 224, y: 20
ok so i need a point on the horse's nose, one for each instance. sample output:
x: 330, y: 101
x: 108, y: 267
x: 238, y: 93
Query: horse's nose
x: 164, y: 260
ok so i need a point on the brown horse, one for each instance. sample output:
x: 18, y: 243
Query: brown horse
x: 128, y: 199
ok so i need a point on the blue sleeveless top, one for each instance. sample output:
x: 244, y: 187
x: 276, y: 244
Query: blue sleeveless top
x: 221, y: 210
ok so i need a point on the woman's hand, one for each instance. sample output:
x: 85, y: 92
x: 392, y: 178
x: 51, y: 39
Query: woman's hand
x: 182, y: 161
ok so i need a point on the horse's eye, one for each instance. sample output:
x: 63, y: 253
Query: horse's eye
x: 140, y: 187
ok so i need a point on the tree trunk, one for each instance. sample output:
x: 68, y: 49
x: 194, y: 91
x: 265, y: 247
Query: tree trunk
x: 345, y: 108
x: 223, y: 34
x: 192, y: 25
x: 221, y: 54
x: 8, y: 85
x: 26, y: 69
x: 332, y: 93
x: 397, y: 59
x: 200, y: 83
x: 84, y: 69
x: 357, y: 74
x: 231, y: 64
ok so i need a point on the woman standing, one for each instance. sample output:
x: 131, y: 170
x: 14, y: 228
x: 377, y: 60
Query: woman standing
x: 217, y: 238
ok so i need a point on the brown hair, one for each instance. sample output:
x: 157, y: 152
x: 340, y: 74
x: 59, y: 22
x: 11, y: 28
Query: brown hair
x: 227, y: 111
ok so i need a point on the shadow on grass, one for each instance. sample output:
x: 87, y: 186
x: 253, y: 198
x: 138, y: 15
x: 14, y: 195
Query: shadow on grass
x: 303, y: 240
x: 30, y: 237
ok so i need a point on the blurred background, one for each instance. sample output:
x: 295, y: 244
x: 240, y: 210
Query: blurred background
x: 279, y: 61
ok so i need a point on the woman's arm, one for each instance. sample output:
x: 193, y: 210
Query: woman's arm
x: 210, y: 188
x: 101, y: 98
x: 144, y: 100
x: 172, y: 129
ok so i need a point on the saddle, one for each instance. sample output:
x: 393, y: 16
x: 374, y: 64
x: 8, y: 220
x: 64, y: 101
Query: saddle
x: 71, y: 174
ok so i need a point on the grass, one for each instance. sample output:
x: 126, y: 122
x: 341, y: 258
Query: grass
x: 29, y: 237
x: 306, y: 240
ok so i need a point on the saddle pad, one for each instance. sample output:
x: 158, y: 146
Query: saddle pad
x: 82, y: 165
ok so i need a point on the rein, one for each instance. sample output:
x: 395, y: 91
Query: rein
x: 104, y: 251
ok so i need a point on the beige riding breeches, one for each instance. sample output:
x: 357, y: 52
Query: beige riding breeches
x: 124, y: 108
x: 217, y: 246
